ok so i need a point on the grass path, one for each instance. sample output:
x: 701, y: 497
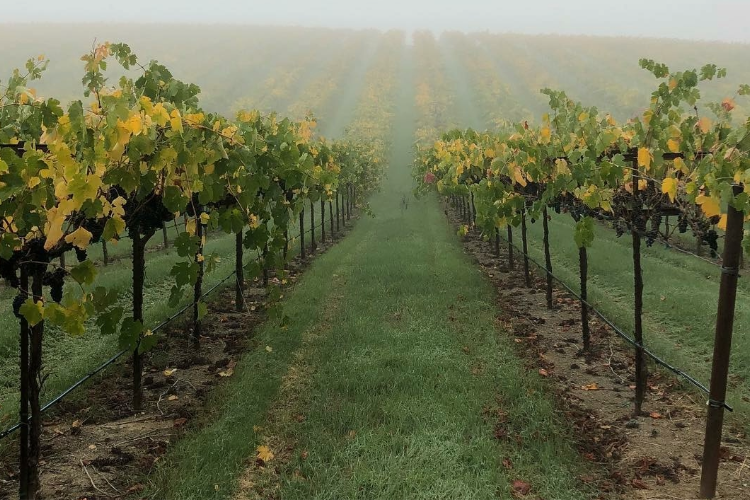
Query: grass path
x: 390, y: 382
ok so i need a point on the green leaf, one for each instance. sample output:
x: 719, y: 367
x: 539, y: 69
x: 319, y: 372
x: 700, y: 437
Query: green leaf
x: 202, y: 310
x: 84, y: 273
x: 108, y: 321
x: 130, y: 332
x: 584, y: 234
x: 32, y: 311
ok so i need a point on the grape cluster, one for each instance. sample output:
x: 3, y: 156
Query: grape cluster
x: 712, y: 239
x: 620, y: 228
x: 81, y: 255
x: 682, y: 224
x: 55, y: 280
x: 18, y: 301
x: 8, y: 271
x: 653, y: 233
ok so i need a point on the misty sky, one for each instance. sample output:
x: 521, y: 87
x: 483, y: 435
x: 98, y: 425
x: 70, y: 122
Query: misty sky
x: 695, y: 19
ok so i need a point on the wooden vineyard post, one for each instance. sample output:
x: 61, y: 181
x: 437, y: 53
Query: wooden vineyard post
x: 23, y: 461
x: 312, y: 227
x: 286, y: 244
x: 139, y: 272
x: 640, y: 358
x: 583, y: 265
x: 330, y: 215
x: 497, y: 242
x: 473, y: 210
x: 343, y: 210
x: 302, y: 233
x: 165, y: 237
x: 105, y: 253
x: 722, y: 349
x: 338, y: 219
x: 200, y: 231
x: 511, y: 260
x: 547, y: 258
x: 238, y: 271
x: 265, y: 266
x: 35, y: 385
x: 524, y: 241
x: 322, y: 220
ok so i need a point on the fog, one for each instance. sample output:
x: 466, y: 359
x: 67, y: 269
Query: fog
x: 688, y: 19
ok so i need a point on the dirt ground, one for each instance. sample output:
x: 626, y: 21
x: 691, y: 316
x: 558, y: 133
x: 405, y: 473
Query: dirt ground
x: 654, y: 456
x: 96, y: 447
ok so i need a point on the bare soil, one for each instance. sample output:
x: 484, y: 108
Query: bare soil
x: 655, y: 455
x: 96, y: 447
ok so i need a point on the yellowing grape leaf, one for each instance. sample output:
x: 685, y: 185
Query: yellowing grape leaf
x: 54, y: 227
x: 673, y: 145
x: 169, y: 372
x: 727, y: 104
x: 518, y: 175
x: 680, y: 165
x: 669, y: 187
x: 79, y: 238
x: 205, y: 218
x: 709, y: 205
x: 704, y: 124
x: 644, y: 158
x: 175, y: 120
x: 264, y: 453
x: 722, y: 222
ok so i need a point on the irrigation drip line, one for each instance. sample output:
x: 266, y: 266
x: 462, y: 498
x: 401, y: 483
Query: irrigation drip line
x: 114, y: 358
x: 617, y: 330
x: 117, y: 356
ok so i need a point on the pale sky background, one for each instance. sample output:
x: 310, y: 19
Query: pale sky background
x: 725, y: 20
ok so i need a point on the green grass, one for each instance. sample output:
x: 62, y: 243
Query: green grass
x: 66, y: 358
x: 383, y: 377
x: 680, y: 300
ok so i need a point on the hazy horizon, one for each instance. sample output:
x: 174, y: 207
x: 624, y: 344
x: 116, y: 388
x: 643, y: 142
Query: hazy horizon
x: 702, y: 20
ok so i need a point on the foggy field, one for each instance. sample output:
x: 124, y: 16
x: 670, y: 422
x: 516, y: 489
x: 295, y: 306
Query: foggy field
x: 408, y: 359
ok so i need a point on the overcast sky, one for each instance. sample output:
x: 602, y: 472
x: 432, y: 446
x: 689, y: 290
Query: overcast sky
x: 695, y: 19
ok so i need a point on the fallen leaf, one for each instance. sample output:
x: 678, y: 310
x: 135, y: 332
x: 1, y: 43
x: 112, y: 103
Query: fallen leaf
x: 654, y: 414
x: 269, y: 348
x: 169, y: 372
x: 92, y: 447
x: 543, y: 372
x: 507, y: 463
x: 227, y: 373
x: 590, y: 387
x: 264, y: 453
x: 135, y: 488
x: 173, y: 398
x: 179, y: 422
x: 304, y: 455
x: 638, y: 484
x: 521, y: 487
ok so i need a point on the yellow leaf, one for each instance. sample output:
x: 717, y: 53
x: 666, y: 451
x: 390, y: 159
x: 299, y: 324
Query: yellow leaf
x: 265, y: 453
x: 227, y: 373
x: 644, y: 158
x: 546, y: 133
x: 79, y: 238
x: 704, y: 124
x: 175, y: 120
x: 518, y: 175
x: 709, y: 205
x: 33, y: 182
x: 160, y: 115
x: 134, y: 124
x: 53, y: 228
x: 680, y: 165
x: 673, y: 146
x: 583, y: 117
x: 169, y: 372
x: 562, y: 167
x: 205, y: 218
x: 269, y: 348
x: 669, y: 187
x: 200, y: 257
x: 672, y: 84
x: 173, y: 398
x: 722, y: 222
